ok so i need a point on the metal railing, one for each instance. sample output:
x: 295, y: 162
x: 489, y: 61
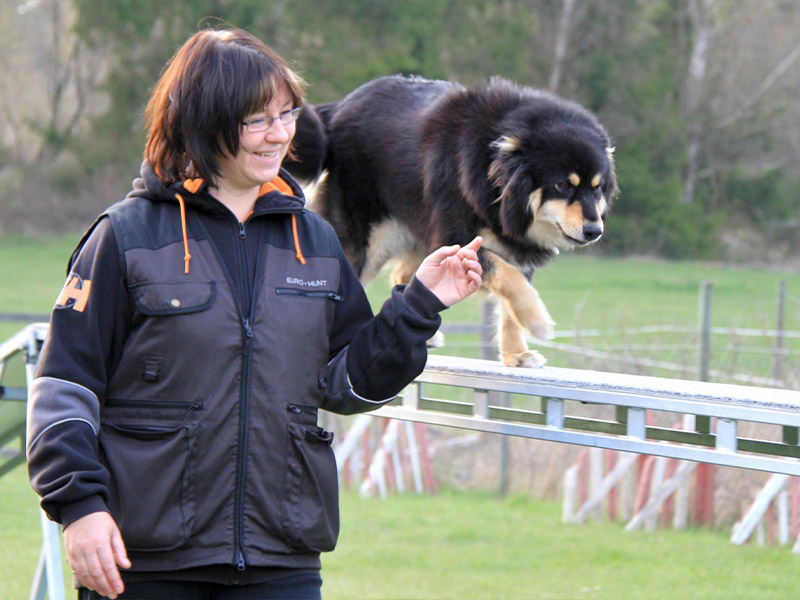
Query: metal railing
x: 559, y: 405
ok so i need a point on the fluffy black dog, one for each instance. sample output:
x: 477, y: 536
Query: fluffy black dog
x: 404, y: 165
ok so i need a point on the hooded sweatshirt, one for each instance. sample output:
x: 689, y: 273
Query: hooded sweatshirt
x: 187, y: 358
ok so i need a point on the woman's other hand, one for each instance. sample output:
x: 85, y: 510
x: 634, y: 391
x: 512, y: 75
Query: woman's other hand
x: 95, y: 550
x: 452, y: 272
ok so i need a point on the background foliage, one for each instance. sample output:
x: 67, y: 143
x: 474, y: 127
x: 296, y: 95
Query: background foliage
x: 698, y: 95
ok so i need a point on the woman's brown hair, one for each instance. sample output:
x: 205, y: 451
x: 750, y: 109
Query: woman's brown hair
x: 213, y: 82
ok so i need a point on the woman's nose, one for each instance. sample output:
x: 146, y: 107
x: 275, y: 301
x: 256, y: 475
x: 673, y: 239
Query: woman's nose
x: 277, y: 131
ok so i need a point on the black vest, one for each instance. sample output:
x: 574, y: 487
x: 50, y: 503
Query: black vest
x: 209, y: 425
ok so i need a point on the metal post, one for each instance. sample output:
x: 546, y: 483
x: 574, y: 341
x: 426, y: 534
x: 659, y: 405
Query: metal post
x: 777, y: 370
x: 703, y: 424
x: 505, y: 453
x: 704, y: 484
x: 706, y: 294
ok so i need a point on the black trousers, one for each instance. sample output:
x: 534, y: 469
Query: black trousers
x: 306, y: 586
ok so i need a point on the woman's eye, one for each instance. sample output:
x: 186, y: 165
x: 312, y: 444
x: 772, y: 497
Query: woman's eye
x: 256, y: 122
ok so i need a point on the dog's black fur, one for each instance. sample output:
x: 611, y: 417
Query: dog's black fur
x: 411, y: 164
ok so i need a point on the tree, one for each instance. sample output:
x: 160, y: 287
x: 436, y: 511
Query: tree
x: 46, y: 112
x: 702, y: 13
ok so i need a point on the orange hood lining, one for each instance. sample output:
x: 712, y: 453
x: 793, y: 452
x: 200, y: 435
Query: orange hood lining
x: 279, y: 185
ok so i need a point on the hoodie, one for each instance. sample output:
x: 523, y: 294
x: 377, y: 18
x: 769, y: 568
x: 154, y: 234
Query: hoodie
x: 187, y: 359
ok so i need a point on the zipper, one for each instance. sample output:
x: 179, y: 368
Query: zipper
x: 241, y: 463
x: 308, y: 294
x: 248, y: 293
x: 151, y: 428
x: 122, y: 402
x: 301, y: 409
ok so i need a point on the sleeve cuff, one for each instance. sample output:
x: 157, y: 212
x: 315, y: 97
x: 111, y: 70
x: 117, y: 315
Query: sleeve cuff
x: 75, y: 510
x: 421, y: 300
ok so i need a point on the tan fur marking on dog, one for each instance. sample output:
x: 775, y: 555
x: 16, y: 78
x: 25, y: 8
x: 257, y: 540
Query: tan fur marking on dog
x: 390, y: 240
x: 403, y: 271
x: 596, y: 180
x: 521, y: 298
x: 310, y: 190
x: 574, y: 179
x: 507, y: 144
x: 572, y: 220
x: 536, y: 201
x: 545, y: 227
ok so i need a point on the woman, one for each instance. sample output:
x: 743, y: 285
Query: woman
x: 205, y: 320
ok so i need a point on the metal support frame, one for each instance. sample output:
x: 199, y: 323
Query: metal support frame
x: 48, y: 579
x: 565, y: 393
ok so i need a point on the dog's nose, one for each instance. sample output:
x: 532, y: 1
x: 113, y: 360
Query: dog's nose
x: 592, y: 231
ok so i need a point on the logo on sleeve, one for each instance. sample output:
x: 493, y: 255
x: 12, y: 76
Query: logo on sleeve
x: 75, y: 294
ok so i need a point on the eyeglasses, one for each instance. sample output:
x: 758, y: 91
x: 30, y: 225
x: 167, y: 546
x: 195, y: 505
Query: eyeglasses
x: 263, y: 123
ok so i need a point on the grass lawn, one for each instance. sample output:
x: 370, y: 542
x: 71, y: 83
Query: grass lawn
x: 476, y: 546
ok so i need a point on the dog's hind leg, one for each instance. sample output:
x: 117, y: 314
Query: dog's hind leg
x: 522, y: 310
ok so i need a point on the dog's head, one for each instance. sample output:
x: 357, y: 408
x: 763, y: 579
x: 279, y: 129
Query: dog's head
x: 554, y: 167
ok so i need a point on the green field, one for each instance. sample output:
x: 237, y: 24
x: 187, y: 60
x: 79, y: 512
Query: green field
x: 476, y: 546
x: 472, y: 545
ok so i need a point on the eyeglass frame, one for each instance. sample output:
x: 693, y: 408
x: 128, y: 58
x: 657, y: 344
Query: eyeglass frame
x: 291, y: 115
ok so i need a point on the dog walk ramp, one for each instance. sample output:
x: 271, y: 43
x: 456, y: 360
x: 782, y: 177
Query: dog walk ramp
x: 607, y: 410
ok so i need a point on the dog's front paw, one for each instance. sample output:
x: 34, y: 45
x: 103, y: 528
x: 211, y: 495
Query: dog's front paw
x: 527, y: 359
x: 437, y: 341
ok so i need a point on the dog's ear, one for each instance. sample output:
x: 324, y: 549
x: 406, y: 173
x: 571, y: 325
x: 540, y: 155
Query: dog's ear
x: 508, y: 174
x: 516, y: 213
x: 610, y: 188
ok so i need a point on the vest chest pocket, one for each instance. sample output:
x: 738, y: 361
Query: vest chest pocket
x: 156, y: 298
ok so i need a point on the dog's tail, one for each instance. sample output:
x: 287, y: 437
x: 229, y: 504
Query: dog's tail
x: 310, y: 147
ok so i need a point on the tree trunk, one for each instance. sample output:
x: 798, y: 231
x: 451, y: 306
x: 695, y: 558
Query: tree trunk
x: 702, y: 27
x: 562, y: 38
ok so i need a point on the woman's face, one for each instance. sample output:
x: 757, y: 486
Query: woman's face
x: 260, y: 153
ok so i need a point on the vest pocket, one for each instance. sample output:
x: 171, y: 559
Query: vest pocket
x: 310, y: 510
x: 152, y: 495
x: 158, y: 298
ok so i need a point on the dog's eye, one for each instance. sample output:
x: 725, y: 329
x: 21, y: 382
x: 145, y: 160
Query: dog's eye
x: 563, y: 186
